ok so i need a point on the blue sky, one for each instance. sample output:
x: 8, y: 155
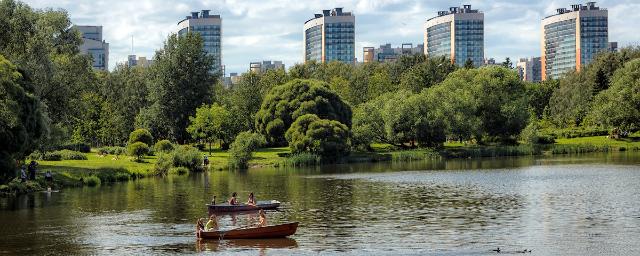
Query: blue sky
x: 255, y: 30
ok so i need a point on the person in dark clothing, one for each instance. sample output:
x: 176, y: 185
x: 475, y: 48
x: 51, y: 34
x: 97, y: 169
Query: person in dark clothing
x: 32, y: 170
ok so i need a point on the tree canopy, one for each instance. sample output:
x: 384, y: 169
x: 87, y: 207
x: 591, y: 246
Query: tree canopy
x: 285, y: 103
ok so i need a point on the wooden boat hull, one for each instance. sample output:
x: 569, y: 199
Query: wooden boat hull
x: 275, y: 231
x: 226, y: 207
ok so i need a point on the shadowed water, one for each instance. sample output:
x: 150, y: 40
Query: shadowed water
x: 554, y: 205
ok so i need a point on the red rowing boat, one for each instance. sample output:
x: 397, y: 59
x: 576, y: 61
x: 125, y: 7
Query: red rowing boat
x: 274, y: 231
x: 226, y: 207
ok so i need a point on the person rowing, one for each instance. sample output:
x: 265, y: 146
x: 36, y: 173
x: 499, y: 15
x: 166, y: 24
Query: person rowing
x: 200, y: 225
x: 233, y: 200
x: 252, y: 199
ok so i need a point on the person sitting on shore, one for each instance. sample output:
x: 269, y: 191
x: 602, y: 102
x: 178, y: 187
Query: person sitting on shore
x: 200, y: 225
x: 252, y: 199
x: 212, y: 224
x: 263, y: 219
x: 233, y: 200
x: 23, y: 173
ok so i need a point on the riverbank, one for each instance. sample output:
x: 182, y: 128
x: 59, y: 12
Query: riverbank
x: 99, y: 169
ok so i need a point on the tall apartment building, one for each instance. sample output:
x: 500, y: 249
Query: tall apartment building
x: 529, y: 69
x: 386, y: 53
x: 572, y: 37
x: 94, y: 45
x: 330, y: 36
x: 457, y: 34
x: 264, y: 66
x: 210, y: 29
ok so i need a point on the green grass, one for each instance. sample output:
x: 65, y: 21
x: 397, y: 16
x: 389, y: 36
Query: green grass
x: 602, y: 140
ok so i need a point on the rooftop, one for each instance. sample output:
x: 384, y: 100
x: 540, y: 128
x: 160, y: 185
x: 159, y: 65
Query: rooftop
x: 453, y: 10
x: 333, y: 12
x: 204, y: 14
x: 576, y: 7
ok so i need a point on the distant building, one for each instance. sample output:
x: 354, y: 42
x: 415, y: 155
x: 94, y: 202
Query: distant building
x: 232, y: 79
x: 386, y: 53
x: 330, y: 36
x: 140, y: 61
x: 94, y: 45
x: 529, y: 69
x: 210, y: 28
x: 572, y: 37
x: 613, y: 46
x: 264, y: 66
x: 490, y: 62
x: 457, y: 34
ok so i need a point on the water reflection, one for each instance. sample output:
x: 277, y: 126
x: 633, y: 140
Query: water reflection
x: 554, y: 205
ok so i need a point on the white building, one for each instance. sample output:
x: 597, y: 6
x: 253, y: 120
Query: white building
x: 264, y: 66
x: 529, y: 69
x: 94, y: 45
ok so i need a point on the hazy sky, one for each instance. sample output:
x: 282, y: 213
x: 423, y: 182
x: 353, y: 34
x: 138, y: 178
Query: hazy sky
x: 256, y: 30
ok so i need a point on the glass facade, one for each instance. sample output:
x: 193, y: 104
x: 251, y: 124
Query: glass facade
x: 439, y: 40
x: 339, y: 42
x: 212, y: 36
x: 469, y: 42
x: 593, y: 37
x: 560, y: 47
x: 313, y: 43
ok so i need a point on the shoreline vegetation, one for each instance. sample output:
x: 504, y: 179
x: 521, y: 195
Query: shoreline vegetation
x: 99, y: 168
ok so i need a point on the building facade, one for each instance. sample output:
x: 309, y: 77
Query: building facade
x: 140, y: 61
x: 572, y: 37
x: 330, y: 36
x: 529, y: 69
x: 210, y: 29
x: 386, y: 53
x: 457, y: 34
x: 264, y: 66
x: 93, y: 44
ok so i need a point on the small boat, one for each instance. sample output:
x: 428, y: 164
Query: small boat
x: 226, y: 207
x: 274, y: 231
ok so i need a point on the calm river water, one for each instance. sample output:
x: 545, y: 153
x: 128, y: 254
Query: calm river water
x: 567, y: 205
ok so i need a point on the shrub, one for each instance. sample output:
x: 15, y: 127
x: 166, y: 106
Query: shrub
x: 52, y: 156
x: 178, y: 170
x: 164, y: 146
x: 138, y: 149
x: 72, y: 155
x: 92, y: 181
x: 112, y: 150
x: 163, y: 164
x: 242, y: 148
x: 141, y: 135
x: 187, y: 156
x: 327, y: 138
x: 302, y: 159
x: 121, y: 176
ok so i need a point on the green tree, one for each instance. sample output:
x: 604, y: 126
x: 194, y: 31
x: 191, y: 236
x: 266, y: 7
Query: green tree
x: 141, y: 135
x: 571, y: 101
x: 469, y: 64
x: 245, y: 100
x: 426, y: 74
x: 507, y: 63
x: 211, y: 123
x: 180, y: 82
x: 619, y: 105
x: 138, y: 149
x: 539, y: 95
x: 287, y: 102
x: 241, y: 150
x: 22, y: 122
x: 327, y: 138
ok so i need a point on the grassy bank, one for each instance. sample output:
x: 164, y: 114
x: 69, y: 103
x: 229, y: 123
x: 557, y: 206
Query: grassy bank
x: 99, y: 169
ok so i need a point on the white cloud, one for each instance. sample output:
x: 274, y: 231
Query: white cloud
x: 255, y: 30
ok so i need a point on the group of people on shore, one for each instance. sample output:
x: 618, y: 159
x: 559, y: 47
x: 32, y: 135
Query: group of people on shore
x: 28, y: 172
x: 212, y: 223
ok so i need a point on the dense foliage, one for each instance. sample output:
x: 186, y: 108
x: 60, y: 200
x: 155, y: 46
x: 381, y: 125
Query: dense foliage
x: 242, y: 148
x: 22, y: 121
x: 329, y: 139
x: 138, y: 149
x: 285, y: 103
x: 140, y: 135
x: 213, y: 123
